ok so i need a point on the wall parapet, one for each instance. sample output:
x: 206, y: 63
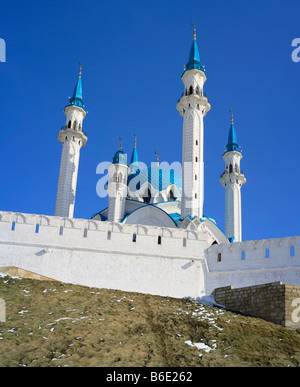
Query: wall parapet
x: 250, y: 255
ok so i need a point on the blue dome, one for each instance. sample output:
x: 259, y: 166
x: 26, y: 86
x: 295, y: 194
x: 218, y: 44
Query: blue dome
x: 159, y: 178
x: 120, y: 157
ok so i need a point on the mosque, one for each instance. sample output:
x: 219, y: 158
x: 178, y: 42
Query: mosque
x: 158, y: 196
x: 153, y: 236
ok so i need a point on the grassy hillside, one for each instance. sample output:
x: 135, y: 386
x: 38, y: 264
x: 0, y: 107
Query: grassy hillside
x: 54, y: 324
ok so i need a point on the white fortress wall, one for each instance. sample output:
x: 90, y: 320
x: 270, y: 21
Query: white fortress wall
x: 254, y: 262
x: 104, y: 255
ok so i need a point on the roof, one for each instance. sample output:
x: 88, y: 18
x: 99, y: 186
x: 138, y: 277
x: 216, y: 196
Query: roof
x: 159, y: 178
x: 194, y: 58
x: 120, y: 157
x: 232, y: 140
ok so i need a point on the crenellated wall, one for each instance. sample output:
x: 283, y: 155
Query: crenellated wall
x: 145, y: 259
x: 156, y: 260
x: 254, y: 262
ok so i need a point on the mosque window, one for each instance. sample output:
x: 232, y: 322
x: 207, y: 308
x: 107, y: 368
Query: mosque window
x: 159, y: 240
x: 171, y: 196
x: 109, y: 235
x: 196, y: 142
x: 243, y: 255
x: 195, y: 196
x: 61, y: 230
x: 184, y: 242
x: 69, y: 124
x: 196, y: 159
x: 147, y: 198
x: 191, y: 90
x: 134, y: 238
x: 292, y: 251
x: 197, y: 90
x: 13, y: 226
x: 195, y: 177
x: 230, y: 168
x: 219, y: 257
x: 37, y: 228
x: 85, y: 233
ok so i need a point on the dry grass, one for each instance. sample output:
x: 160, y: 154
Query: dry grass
x: 51, y: 324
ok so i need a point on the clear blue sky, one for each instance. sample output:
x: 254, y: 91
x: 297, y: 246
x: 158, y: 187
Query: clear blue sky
x: 133, y: 53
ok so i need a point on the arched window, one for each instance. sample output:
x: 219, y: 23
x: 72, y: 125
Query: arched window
x: 196, y: 142
x: 147, y: 198
x: 171, y: 196
x: 134, y: 238
x: 219, y: 257
x: 191, y: 90
x: 69, y: 124
x: 119, y: 180
x: 230, y: 168
x: 159, y: 240
x: 197, y: 90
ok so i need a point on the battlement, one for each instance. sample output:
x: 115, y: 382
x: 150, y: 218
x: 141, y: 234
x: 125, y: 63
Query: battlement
x: 96, y: 235
x: 148, y: 259
x: 264, y: 253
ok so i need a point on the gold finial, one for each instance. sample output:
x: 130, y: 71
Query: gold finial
x: 194, y: 26
x: 231, y: 115
x: 80, y: 67
x: 121, y: 142
x: 157, y: 158
x: 134, y: 140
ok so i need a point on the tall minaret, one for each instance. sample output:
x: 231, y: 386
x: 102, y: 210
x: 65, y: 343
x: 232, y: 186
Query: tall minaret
x: 117, y: 186
x: 233, y: 179
x: 193, y: 106
x: 72, y: 139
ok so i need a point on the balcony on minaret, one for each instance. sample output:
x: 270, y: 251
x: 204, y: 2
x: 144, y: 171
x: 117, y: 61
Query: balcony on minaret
x: 78, y: 129
x: 232, y: 170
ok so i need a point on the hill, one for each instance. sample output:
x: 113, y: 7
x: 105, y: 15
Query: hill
x: 53, y: 324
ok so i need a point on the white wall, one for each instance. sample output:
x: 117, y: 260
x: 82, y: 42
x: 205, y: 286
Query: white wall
x: 143, y: 266
x: 253, y: 267
x: 181, y: 266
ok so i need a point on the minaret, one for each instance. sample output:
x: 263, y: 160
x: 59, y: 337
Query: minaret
x: 233, y: 179
x: 73, y: 139
x: 117, y: 186
x: 193, y: 106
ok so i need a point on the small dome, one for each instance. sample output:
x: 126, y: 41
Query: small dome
x: 120, y: 157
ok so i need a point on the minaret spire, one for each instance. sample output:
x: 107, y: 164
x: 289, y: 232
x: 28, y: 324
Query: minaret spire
x: 232, y: 180
x: 134, y: 162
x: 194, y: 27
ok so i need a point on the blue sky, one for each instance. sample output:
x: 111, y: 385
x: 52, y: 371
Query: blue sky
x: 133, y: 53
